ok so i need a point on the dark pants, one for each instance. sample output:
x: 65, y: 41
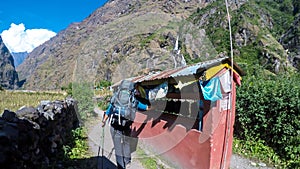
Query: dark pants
x: 121, y: 140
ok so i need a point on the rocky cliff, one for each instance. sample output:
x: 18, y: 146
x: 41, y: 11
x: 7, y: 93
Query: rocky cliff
x: 126, y: 38
x: 8, y: 74
x: 291, y: 42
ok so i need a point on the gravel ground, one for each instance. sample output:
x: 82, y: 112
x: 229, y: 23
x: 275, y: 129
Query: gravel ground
x: 238, y: 162
x: 95, y: 133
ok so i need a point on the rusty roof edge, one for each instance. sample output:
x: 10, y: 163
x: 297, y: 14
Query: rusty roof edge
x: 235, y: 66
x: 185, y: 71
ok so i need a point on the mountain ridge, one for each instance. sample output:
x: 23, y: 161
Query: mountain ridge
x: 123, y: 38
x: 94, y: 52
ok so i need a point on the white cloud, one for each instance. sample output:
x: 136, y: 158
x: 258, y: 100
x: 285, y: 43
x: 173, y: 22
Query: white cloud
x: 17, y: 39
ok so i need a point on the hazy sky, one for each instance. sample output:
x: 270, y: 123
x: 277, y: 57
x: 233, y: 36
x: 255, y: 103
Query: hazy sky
x: 25, y: 24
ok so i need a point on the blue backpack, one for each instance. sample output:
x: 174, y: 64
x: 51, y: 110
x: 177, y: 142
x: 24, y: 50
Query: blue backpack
x: 124, y: 105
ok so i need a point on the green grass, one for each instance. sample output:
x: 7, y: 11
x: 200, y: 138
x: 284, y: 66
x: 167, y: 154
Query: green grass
x: 148, y: 162
x: 13, y: 100
x: 257, y: 150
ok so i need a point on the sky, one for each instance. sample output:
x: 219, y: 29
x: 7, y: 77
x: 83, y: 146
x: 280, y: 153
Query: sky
x: 26, y: 24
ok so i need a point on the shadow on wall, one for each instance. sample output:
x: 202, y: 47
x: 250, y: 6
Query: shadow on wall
x: 173, y: 113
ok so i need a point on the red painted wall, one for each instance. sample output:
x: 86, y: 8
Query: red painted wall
x: 177, y: 138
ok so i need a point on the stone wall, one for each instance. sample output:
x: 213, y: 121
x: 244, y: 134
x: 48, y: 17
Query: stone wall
x: 31, y: 137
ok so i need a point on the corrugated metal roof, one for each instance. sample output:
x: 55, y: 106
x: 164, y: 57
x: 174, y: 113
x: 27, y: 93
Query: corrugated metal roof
x: 182, y: 71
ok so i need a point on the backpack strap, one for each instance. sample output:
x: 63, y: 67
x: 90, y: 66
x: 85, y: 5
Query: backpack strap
x: 112, y: 100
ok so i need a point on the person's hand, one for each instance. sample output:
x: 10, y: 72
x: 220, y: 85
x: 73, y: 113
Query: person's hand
x: 104, y: 118
x: 148, y: 107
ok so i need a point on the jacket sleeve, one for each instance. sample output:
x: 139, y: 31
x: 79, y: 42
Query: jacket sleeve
x: 109, y: 110
x: 142, y: 106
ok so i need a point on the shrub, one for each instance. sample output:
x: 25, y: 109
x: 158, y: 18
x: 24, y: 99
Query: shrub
x: 102, y: 84
x: 77, y: 147
x: 83, y: 93
x: 68, y: 89
x: 268, y: 109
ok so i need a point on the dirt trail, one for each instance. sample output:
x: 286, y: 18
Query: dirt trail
x: 95, y: 140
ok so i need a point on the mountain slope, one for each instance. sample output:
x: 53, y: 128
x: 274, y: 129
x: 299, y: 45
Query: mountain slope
x: 8, y: 74
x: 126, y: 38
x: 121, y: 35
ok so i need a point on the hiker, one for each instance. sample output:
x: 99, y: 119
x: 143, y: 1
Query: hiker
x: 121, y: 124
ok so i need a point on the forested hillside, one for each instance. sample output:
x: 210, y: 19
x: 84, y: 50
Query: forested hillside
x: 266, y: 45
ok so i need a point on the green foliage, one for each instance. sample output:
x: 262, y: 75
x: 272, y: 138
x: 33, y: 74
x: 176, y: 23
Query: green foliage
x: 1, y: 88
x: 256, y: 149
x: 267, y: 105
x: 257, y: 18
x: 83, y: 93
x: 268, y: 110
x: 214, y: 28
x: 68, y: 89
x: 103, y: 84
x: 186, y: 55
x: 148, y: 162
x: 147, y: 39
x: 103, y: 105
x: 77, y: 148
x: 250, y: 54
x: 220, y: 38
x: 281, y: 14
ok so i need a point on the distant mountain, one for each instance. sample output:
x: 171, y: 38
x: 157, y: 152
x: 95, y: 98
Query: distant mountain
x: 8, y: 74
x: 19, y: 57
x: 127, y: 38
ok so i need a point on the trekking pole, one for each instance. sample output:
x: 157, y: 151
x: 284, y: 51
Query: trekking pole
x: 103, y: 134
x: 101, y: 146
x: 110, y: 153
